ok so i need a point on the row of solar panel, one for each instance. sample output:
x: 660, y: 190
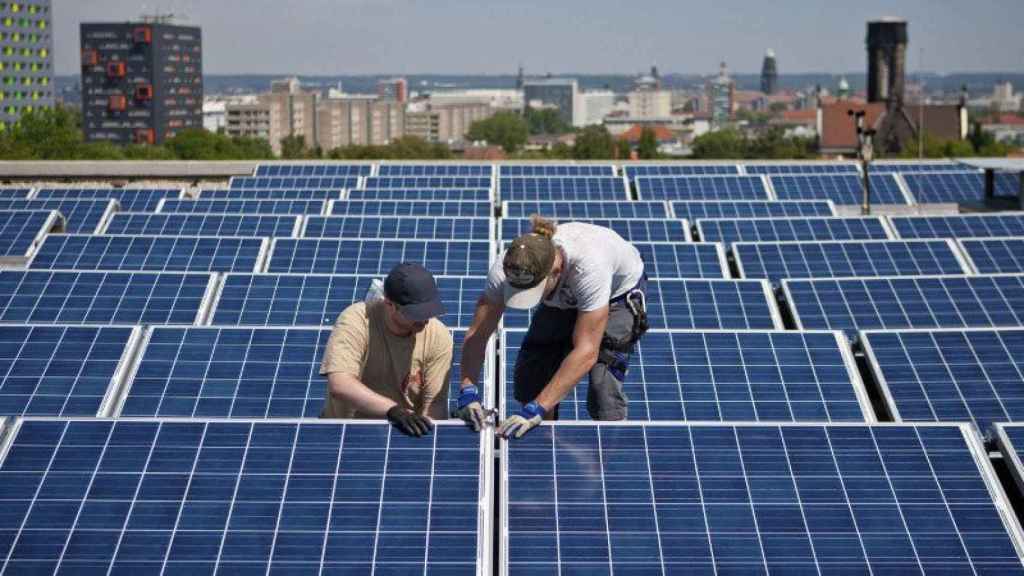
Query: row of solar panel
x: 204, y: 497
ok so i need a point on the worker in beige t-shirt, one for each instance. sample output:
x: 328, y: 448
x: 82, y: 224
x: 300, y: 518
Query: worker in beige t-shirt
x: 391, y: 357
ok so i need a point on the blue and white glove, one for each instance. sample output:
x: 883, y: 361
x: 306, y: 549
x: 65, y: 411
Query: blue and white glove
x: 470, y: 408
x: 528, y: 417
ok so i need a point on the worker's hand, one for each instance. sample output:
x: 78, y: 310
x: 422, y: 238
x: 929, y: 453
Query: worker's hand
x: 521, y: 422
x: 408, y: 422
x: 470, y: 409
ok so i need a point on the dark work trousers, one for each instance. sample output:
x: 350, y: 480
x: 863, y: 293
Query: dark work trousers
x: 549, y: 341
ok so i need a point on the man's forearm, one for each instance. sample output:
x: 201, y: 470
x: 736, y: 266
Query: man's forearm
x: 473, y: 349
x: 574, y: 367
x: 349, y: 389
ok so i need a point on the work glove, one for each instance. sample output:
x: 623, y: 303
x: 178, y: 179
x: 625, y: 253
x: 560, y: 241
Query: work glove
x: 470, y: 409
x: 408, y: 422
x: 521, y: 422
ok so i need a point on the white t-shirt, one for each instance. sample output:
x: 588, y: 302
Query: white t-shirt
x: 599, y: 265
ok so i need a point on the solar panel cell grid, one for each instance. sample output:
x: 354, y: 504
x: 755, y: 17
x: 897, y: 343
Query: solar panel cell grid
x: 955, y: 187
x: 313, y: 170
x: 245, y: 225
x: 435, y: 170
x: 960, y: 226
x: 563, y: 188
x: 556, y: 170
x: 80, y: 216
x: 430, y: 194
x: 697, y: 210
x: 399, y: 228
x: 287, y: 207
x: 20, y: 230
x: 61, y: 370
x: 634, y: 171
x: 843, y: 189
x: 150, y: 253
x: 790, y: 229
x: 428, y: 182
x: 38, y: 297
x: 694, y: 260
x: 596, y: 209
x: 152, y: 497
x: 236, y: 194
x: 916, y: 167
x: 323, y: 256
x: 15, y: 193
x: 995, y: 255
x: 130, y: 199
x: 632, y: 230
x: 701, y: 188
x: 410, y: 208
x: 815, y: 168
x: 295, y: 182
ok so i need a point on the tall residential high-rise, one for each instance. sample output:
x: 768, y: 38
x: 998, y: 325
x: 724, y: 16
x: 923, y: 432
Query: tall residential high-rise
x: 287, y: 110
x: 142, y: 82
x: 26, y: 59
x: 769, y: 73
x: 721, y: 97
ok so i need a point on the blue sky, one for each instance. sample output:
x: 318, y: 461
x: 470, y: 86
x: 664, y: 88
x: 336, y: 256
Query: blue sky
x: 582, y: 36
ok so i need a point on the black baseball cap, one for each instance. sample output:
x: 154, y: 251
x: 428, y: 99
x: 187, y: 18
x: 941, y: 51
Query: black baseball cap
x: 411, y: 287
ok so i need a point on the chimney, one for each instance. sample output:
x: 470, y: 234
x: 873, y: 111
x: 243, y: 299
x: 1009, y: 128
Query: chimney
x: 887, y: 59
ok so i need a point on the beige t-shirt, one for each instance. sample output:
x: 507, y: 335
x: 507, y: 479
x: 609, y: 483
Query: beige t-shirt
x: 413, y: 371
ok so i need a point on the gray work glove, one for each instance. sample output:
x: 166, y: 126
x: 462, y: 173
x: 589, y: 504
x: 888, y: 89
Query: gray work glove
x: 470, y: 409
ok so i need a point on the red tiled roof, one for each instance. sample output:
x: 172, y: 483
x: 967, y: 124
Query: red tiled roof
x: 808, y: 116
x: 661, y: 133
x: 1007, y: 120
x: 838, y: 130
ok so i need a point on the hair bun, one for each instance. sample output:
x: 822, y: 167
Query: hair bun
x: 543, y: 226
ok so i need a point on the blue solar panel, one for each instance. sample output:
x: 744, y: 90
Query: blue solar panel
x: 313, y: 170
x: 843, y: 189
x: 995, y: 255
x: 653, y: 230
x: 130, y: 199
x: 693, y: 260
x: 295, y: 182
x: 770, y: 376
x: 250, y: 225
x: 410, y: 208
x: 399, y: 227
x: 155, y: 253
x: 635, y: 170
x: 563, y: 188
x: 15, y: 193
x: 959, y: 226
x: 152, y: 497
x: 236, y: 194
x: 971, y: 375
x: 327, y: 256
x: 696, y: 210
x: 698, y: 304
x: 80, y: 216
x: 556, y: 170
x: 237, y: 372
x: 435, y: 170
x: 20, y: 230
x: 955, y: 187
x: 428, y: 182
x: 602, y: 209
x: 813, y: 168
x: 783, y: 229
x: 866, y: 258
x: 311, y: 300
x: 279, y: 207
x: 60, y: 371
x: 701, y: 188
x: 894, y: 303
x: 795, y: 499
x: 469, y: 195
x: 889, y: 167
x: 37, y: 297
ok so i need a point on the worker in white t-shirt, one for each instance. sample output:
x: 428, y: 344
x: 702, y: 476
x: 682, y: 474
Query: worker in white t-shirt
x: 590, y: 285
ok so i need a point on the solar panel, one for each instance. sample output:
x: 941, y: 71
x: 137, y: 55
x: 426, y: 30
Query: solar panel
x: 61, y: 370
x: 85, y: 216
x: 130, y: 199
x: 410, y: 208
x: 328, y: 256
x: 236, y: 372
x: 38, y: 297
x: 202, y: 497
x: 153, y: 253
x: 313, y: 170
x: 889, y: 167
x: 843, y: 189
x: 399, y: 227
x: 995, y: 255
x: 810, y: 168
x: 910, y: 302
x: 653, y: 230
x: 596, y: 209
x: 556, y: 170
x: 698, y: 304
x: 246, y: 225
x: 955, y: 187
x: 229, y: 194
x: 294, y: 182
x: 314, y: 300
x: 696, y: 210
x: 563, y: 188
x: 435, y: 170
x: 769, y: 376
x: 427, y: 182
x: 783, y: 229
x: 678, y: 169
x: 429, y: 194
x: 692, y: 260
x: 15, y: 193
x: 959, y: 226
x: 21, y: 230
x: 955, y: 375
x: 701, y: 188
x: 861, y: 258
x: 754, y: 499
x: 279, y: 207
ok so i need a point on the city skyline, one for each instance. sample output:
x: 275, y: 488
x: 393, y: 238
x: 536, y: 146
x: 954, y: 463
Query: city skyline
x: 488, y: 38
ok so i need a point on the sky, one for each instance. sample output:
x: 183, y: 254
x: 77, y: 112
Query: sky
x: 352, y: 37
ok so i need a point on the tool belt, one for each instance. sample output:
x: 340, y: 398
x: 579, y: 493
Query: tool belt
x: 636, y: 303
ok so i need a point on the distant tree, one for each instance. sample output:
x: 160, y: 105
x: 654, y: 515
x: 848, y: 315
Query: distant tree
x: 722, y: 144
x: 413, y: 148
x: 594, y: 143
x: 294, y: 148
x: 44, y: 134
x: 625, y: 151
x: 647, y: 149
x: 545, y: 121
x: 985, y: 144
x: 777, y: 107
x: 198, y: 144
x: 774, y: 144
x: 506, y: 129
x: 141, y: 152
